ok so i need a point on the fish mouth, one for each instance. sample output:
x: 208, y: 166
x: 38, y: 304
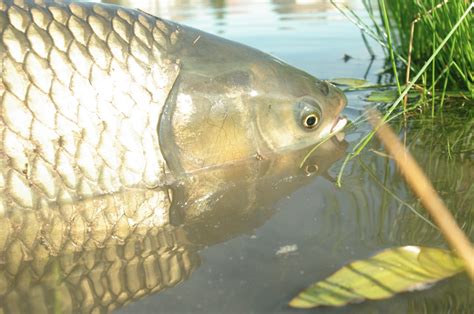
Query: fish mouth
x: 338, y: 125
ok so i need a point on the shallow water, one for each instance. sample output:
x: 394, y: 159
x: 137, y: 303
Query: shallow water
x: 265, y: 240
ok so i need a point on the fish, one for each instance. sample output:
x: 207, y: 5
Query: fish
x: 98, y: 99
x: 106, y: 111
x: 121, y: 135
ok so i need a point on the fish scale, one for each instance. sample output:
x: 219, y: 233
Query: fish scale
x: 79, y: 226
x: 79, y: 114
x: 82, y: 89
x: 95, y: 254
x: 100, y: 280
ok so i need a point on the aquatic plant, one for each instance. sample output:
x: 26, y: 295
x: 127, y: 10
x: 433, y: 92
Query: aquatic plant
x: 428, y: 73
x: 404, y: 268
x: 424, y: 80
x: 417, y: 33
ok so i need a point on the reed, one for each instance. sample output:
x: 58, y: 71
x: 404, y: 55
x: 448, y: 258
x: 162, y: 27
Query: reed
x: 412, y: 32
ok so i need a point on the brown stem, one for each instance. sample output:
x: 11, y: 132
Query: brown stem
x: 423, y: 188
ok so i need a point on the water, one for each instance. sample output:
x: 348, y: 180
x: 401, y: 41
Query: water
x: 264, y: 240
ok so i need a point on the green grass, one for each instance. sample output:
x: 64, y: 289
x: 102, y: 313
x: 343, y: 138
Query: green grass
x: 432, y: 21
x: 428, y: 45
x: 414, y: 31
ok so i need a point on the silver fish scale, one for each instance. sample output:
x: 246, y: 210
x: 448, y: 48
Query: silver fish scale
x: 82, y: 88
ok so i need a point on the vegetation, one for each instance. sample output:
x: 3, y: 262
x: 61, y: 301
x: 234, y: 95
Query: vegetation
x: 414, y: 31
x: 428, y: 44
x: 421, y: 26
x: 429, y: 53
x: 382, y: 276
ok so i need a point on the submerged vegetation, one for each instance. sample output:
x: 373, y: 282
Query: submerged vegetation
x: 374, y: 279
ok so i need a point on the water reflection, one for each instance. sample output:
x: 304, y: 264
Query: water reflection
x: 297, y: 8
x: 373, y: 210
x: 452, y: 173
x: 203, y: 11
x: 101, y: 275
x: 219, y: 8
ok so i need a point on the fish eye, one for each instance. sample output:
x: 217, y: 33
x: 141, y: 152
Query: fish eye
x: 311, y: 120
x: 311, y: 169
x: 308, y: 113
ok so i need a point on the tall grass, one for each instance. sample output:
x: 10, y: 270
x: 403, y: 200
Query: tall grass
x: 421, y: 26
x: 428, y: 45
x: 417, y: 32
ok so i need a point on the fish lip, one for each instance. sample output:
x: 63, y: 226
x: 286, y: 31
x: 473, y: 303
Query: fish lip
x: 339, y: 124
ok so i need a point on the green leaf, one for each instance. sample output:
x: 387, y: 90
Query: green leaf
x: 382, y: 276
x: 386, y: 96
x: 351, y: 82
x: 389, y: 96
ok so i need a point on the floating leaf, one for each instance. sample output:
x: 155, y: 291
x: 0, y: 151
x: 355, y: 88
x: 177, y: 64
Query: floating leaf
x: 382, y: 276
x: 351, y: 82
x: 388, y: 96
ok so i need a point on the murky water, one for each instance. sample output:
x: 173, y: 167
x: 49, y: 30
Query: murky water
x: 252, y: 244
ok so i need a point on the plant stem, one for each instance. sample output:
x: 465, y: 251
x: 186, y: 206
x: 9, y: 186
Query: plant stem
x: 391, y: 49
x: 422, y: 187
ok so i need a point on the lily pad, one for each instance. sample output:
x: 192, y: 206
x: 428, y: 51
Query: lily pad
x: 351, y: 82
x: 382, y: 276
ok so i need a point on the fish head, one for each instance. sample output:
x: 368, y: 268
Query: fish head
x: 291, y: 108
x: 232, y: 102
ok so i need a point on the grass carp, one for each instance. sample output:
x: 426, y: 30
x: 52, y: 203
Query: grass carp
x: 97, y: 98
x: 111, y: 119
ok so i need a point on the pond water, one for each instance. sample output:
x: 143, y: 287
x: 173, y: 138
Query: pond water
x: 267, y: 239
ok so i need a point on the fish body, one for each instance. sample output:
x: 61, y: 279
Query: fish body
x: 83, y: 86
x: 103, y: 109
x: 117, y: 130
x: 97, y: 99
